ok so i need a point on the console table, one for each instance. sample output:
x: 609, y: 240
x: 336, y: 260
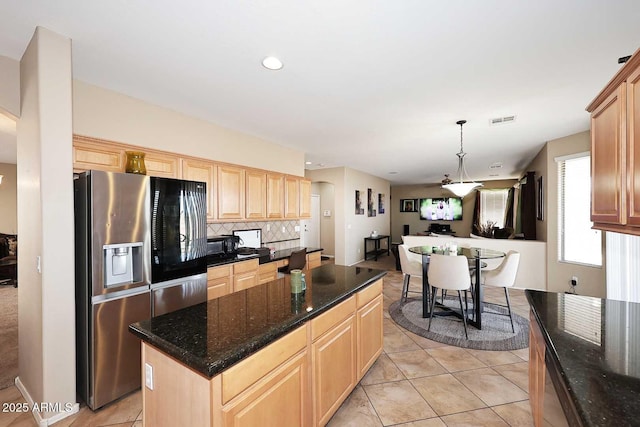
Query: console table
x: 376, y: 244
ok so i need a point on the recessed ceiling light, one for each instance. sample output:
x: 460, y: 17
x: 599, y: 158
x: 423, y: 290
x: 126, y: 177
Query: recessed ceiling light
x: 307, y: 163
x: 321, y: 165
x: 272, y: 63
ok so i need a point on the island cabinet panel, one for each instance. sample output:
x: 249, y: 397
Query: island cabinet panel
x: 247, y: 372
x: 607, y: 161
x: 334, y: 369
x: 283, y: 394
x: 305, y: 198
x: 173, y: 382
x: 195, y: 170
x: 89, y: 155
x: 537, y: 370
x: 256, y: 194
x: 369, y: 327
x: 231, y: 192
x: 275, y: 196
x: 162, y: 165
x: 291, y: 197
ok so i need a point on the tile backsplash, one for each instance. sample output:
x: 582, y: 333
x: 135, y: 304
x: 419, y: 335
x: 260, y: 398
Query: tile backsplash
x: 273, y: 235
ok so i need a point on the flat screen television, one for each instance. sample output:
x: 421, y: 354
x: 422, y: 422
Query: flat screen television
x: 441, y: 209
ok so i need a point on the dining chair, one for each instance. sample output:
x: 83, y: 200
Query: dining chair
x: 297, y: 261
x: 410, y: 267
x: 449, y: 272
x: 504, y: 276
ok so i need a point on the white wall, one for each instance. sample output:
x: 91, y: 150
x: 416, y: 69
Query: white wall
x: 326, y: 191
x: 592, y: 280
x: 8, y: 199
x: 10, y: 86
x: 46, y: 314
x: 351, y: 229
x: 101, y: 113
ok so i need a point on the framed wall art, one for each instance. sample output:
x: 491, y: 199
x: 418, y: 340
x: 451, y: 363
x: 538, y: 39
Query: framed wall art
x: 359, y: 208
x: 408, y: 205
x: 540, y: 200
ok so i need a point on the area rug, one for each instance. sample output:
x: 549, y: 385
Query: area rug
x: 495, y: 334
x: 8, y: 335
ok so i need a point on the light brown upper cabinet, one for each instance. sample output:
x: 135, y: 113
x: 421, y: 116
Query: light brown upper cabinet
x: 305, y: 198
x: 615, y: 152
x: 162, y: 165
x: 256, y: 194
x: 91, y: 154
x: 195, y: 170
x: 291, y: 197
x: 230, y: 192
x: 275, y: 196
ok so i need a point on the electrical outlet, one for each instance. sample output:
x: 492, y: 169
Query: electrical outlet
x: 148, y: 376
x: 268, y: 227
x: 574, y: 281
x: 284, y: 230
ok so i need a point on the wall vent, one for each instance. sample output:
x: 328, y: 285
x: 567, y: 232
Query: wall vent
x: 502, y: 120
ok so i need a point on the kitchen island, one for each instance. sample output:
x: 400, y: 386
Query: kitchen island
x: 591, y: 348
x: 263, y: 355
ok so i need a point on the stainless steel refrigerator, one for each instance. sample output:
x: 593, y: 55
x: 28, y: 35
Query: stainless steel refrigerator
x: 112, y: 287
x: 140, y: 249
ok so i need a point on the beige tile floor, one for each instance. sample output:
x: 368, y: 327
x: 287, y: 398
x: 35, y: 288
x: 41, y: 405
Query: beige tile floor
x: 415, y: 382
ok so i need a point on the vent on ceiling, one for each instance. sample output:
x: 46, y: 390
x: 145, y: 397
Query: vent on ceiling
x: 502, y: 120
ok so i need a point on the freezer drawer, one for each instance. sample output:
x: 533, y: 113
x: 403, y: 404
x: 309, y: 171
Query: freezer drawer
x: 178, y: 294
x: 116, y: 363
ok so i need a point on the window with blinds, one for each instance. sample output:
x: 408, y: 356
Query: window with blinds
x: 577, y: 242
x: 493, y: 204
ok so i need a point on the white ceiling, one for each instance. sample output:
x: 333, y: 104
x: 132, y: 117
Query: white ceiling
x: 373, y: 85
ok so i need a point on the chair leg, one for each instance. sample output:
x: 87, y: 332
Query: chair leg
x: 405, y: 288
x: 464, y: 315
x: 433, y: 305
x: 506, y: 294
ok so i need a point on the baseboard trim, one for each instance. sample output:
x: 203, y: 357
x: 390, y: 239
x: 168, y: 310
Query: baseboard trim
x: 44, y: 422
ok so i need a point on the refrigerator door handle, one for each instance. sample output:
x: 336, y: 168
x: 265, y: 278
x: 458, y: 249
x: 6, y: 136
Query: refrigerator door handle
x: 99, y: 299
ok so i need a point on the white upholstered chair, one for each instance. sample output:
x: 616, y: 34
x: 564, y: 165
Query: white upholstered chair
x: 410, y: 268
x: 504, y: 276
x: 448, y: 272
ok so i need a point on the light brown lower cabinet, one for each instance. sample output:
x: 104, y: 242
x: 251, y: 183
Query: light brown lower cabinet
x: 300, y: 379
x: 219, y: 281
x: 333, y: 358
x: 314, y: 259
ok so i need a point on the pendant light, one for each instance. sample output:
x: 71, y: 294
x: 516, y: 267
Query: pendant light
x: 461, y: 188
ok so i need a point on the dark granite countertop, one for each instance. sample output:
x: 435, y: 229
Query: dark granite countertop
x: 278, y: 255
x: 595, y: 345
x: 212, y: 336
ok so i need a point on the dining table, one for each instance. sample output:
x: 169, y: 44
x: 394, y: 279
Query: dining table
x: 475, y: 257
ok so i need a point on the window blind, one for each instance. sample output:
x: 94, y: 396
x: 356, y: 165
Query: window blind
x: 577, y: 241
x: 493, y: 204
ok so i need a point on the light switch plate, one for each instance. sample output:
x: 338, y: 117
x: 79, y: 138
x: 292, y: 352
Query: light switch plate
x: 148, y: 376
